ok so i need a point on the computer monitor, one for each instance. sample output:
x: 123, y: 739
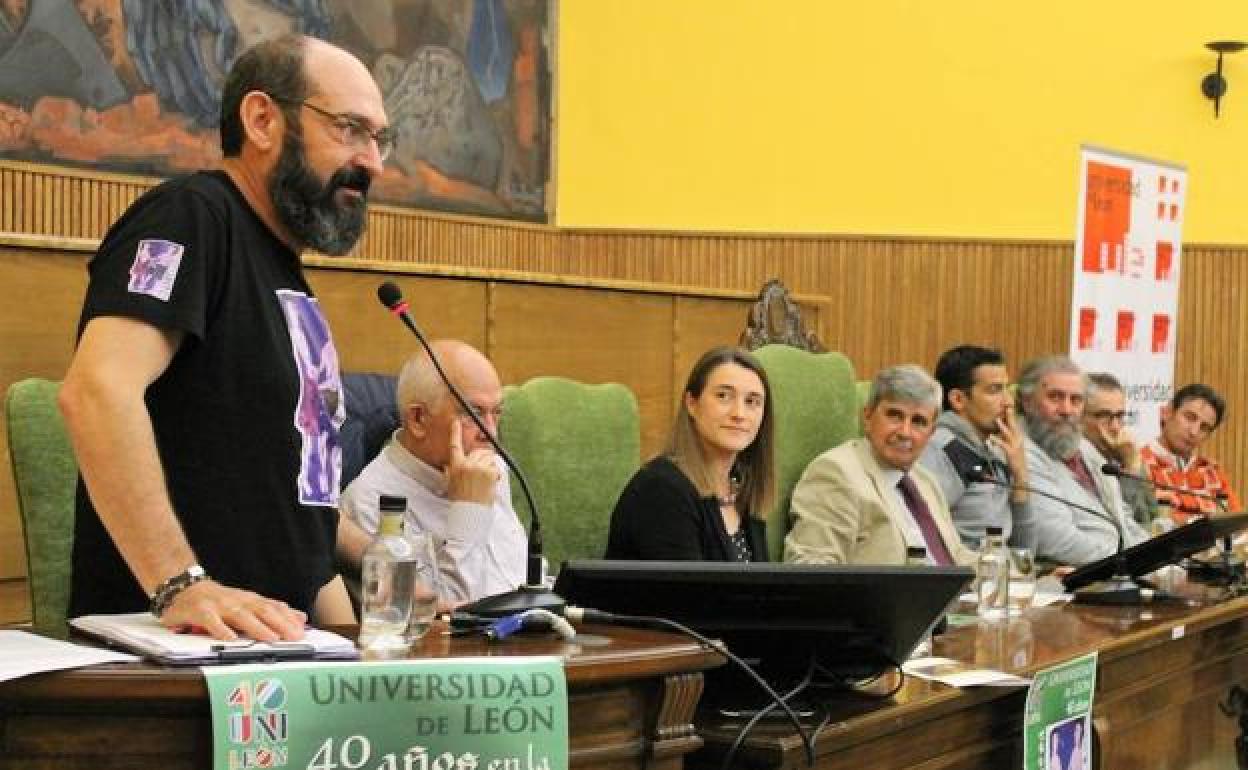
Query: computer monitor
x: 854, y: 620
x: 1155, y: 553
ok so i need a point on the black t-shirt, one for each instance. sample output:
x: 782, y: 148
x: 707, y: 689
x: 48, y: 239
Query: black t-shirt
x: 246, y: 416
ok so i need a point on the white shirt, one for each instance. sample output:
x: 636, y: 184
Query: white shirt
x: 910, y: 530
x: 481, y: 549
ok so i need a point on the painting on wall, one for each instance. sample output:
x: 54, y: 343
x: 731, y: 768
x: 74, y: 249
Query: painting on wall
x: 134, y: 86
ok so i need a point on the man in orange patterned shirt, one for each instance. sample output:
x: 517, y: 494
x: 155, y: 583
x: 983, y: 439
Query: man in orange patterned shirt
x: 1192, y: 416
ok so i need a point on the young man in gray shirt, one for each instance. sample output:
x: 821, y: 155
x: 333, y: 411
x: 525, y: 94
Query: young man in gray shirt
x: 977, y: 438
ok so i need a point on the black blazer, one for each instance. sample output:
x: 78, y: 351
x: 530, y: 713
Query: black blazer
x: 660, y: 516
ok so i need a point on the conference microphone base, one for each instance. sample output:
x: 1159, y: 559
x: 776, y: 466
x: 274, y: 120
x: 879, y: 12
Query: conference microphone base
x: 510, y: 602
x: 1119, y: 590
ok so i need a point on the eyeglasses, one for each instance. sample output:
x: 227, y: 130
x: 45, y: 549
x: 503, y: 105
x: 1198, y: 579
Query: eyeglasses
x: 349, y: 129
x: 496, y: 413
x: 1104, y: 415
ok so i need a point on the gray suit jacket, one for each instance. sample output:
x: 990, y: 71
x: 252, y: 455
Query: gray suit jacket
x: 844, y: 511
x: 1060, y: 533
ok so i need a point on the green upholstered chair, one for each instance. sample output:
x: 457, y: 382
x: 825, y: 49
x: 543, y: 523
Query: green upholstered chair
x: 816, y: 407
x: 578, y: 445
x: 862, y: 391
x: 46, y: 476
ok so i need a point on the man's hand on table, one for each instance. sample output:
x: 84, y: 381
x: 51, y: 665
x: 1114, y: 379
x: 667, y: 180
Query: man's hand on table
x: 226, y: 613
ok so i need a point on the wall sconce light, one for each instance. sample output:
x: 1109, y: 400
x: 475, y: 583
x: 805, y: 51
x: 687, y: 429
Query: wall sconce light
x: 1214, y: 85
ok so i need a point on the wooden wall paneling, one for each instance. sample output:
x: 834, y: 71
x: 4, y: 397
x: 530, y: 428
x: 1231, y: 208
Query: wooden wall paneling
x: 41, y: 208
x: 894, y: 302
x: 371, y: 339
x: 1211, y: 340
x: 26, y: 204
x: 699, y: 324
x: 591, y: 336
x: 38, y: 320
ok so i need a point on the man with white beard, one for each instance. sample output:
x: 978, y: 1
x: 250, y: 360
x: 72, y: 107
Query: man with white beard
x: 1062, y: 464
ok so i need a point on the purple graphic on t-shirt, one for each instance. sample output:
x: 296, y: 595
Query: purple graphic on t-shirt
x: 320, y: 410
x: 155, y: 267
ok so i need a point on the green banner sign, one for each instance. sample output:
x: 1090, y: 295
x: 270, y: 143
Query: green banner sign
x: 462, y: 714
x: 1057, y: 722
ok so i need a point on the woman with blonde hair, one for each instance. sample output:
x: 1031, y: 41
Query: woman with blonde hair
x: 705, y: 498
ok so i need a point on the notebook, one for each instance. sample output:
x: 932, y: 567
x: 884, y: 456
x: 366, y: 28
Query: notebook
x: 142, y: 633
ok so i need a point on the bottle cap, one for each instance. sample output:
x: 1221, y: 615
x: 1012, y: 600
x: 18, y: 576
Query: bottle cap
x: 392, y: 504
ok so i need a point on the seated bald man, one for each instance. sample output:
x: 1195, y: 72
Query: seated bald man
x: 456, y: 486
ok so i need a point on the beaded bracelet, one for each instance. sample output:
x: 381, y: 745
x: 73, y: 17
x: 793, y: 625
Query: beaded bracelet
x: 167, y: 591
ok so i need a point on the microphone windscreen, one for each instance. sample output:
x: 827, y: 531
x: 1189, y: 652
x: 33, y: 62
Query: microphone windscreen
x: 390, y: 295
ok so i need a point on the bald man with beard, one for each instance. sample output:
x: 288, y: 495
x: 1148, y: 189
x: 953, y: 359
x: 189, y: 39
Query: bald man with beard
x: 1062, y: 464
x: 204, y: 398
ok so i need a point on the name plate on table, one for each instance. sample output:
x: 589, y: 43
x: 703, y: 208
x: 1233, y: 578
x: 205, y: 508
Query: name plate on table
x: 1057, y: 720
x: 460, y: 714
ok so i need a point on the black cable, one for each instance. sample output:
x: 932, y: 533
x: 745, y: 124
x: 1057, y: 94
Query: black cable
x: 832, y: 679
x: 577, y: 614
x: 394, y: 302
x: 841, y: 682
x: 799, y: 688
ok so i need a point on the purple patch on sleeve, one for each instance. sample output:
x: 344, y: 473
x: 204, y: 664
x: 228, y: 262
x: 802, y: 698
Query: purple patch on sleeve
x: 155, y: 267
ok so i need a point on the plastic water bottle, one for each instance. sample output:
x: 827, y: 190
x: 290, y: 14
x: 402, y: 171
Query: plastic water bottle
x: 992, y: 576
x: 388, y: 575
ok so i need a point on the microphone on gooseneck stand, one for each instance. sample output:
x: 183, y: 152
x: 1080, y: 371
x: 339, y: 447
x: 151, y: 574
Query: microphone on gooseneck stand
x: 1230, y: 565
x: 1121, y: 588
x: 533, y: 595
x: 1116, y: 470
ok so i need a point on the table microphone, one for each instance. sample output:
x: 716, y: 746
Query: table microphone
x: 1119, y: 589
x: 534, y: 594
x: 1230, y: 564
x: 1116, y: 470
x: 977, y: 473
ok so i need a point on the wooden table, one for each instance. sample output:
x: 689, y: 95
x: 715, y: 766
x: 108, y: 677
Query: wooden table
x: 631, y: 701
x: 1163, y: 669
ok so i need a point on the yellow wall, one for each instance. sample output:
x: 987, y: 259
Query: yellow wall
x: 916, y: 117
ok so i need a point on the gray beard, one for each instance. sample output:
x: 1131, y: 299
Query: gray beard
x: 1059, y: 439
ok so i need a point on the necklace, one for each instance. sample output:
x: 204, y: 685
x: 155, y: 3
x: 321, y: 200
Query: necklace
x: 734, y: 486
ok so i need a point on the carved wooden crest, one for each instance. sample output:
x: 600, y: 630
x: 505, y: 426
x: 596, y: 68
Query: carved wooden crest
x: 776, y: 318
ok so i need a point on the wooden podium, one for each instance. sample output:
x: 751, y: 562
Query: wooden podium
x: 631, y: 694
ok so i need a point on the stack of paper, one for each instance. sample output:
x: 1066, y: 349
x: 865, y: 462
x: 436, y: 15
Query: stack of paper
x: 22, y: 654
x: 141, y: 632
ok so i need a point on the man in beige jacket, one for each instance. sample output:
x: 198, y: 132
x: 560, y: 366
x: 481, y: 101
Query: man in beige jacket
x: 867, y: 500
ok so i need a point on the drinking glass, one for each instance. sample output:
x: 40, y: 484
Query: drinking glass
x: 1022, y: 579
x: 425, y: 588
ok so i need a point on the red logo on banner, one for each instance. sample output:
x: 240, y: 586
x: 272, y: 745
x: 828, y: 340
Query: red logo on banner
x: 1087, y: 327
x: 1165, y: 260
x: 1126, y: 330
x: 1106, y: 217
x: 1161, y: 333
